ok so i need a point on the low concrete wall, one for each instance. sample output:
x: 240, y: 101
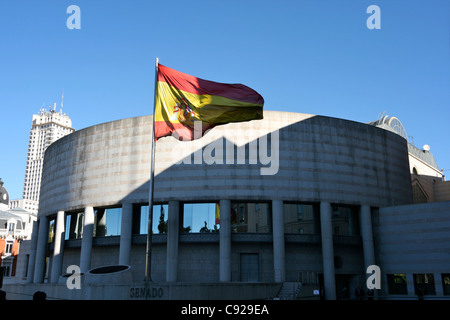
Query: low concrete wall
x: 144, y: 291
x: 413, y: 239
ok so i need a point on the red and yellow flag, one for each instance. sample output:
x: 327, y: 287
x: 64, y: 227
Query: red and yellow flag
x: 217, y: 213
x: 182, y: 99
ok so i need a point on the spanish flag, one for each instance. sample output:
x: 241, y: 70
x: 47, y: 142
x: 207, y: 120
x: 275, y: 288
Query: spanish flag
x: 182, y: 100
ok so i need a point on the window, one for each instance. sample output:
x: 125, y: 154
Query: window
x: 424, y: 284
x: 345, y: 220
x: 107, y: 222
x: 9, y: 247
x: 160, y: 218
x: 25, y: 270
x: 446, y: 283
x: 251, y: 217
x: 301, y: 218
x: 397, y: 283
x: 74, y: 225
x: 140, y: 218
x: 299, y: 212
x: 51, y: 230
x: 6, y: 271
x: 201, y: 217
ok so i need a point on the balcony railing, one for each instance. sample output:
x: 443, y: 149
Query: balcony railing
x: 6, y: 232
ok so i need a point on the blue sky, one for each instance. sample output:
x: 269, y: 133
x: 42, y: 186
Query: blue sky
x: 311, y: 56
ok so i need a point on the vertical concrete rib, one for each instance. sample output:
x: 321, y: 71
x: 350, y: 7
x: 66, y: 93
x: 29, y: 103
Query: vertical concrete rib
x: 327, y: 251
x: 32, y: 257
x: 126, y: 233
x: 225, y: 241
x: 58, y: 250
x: 41, y: 250
x: 367, y: 236
x: 279, y: 263
x: 86, y: 241
x: 172, y: 241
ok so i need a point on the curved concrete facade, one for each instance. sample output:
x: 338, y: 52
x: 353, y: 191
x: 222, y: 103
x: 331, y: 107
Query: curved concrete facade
x: 320, y: 159
x: 310, y: 183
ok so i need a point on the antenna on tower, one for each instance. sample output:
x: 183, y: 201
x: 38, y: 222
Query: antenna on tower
x: 62, y: 100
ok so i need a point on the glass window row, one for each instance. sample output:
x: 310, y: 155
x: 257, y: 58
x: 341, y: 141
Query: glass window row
x: 424, y: 284
x: 246, y: 217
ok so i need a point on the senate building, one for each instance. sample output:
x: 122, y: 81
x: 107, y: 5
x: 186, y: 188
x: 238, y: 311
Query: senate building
x: 292, y: 206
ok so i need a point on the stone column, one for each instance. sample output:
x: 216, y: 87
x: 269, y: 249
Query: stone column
x: 126, y: 233
x: 225, y: 241
x: 32, y: 257
x: 86, y: 241
x: 329, y: 278
x: 409, y: 285
x: 367, y: 237
x: 278, y: 241
x: 438, y: 284
x: 41, y: 249
x: 58, y: 250
x: 172, y: 241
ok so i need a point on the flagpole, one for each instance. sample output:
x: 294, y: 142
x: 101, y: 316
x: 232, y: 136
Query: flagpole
x: 148, y: 252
